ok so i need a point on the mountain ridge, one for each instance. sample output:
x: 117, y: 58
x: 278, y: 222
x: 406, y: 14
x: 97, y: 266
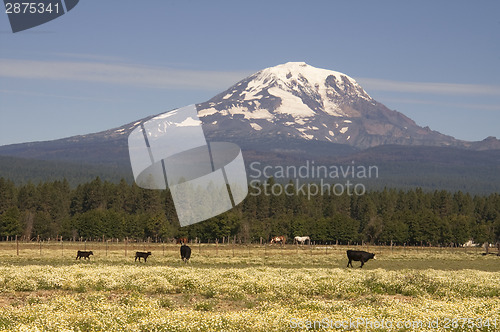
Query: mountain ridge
x: 290, y: 112
x: 298, y: 100
x: 345, y: 106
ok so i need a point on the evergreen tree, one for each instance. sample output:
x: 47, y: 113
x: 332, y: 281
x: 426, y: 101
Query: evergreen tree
x: 9, y: 222
x: 8, y: 195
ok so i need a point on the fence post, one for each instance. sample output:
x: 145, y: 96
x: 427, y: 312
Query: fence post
x: 17, y: 246
x: 234, y: 243
x: 126, y: 242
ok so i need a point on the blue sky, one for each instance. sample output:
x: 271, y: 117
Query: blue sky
x: 107, y: 63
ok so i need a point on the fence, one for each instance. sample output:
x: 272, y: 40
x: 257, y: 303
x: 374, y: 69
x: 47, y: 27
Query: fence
x: 115, y: 247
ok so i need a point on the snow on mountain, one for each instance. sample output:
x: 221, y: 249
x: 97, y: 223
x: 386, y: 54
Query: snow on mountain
x: 291, y: 108
x: 325, y: 88
x: 297, y: 100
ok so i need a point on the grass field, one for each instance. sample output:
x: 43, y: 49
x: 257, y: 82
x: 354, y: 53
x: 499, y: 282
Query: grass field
x: 246, y: 288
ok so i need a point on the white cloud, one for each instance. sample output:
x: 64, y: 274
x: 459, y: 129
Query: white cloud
x: 376, y: 84
x: 127, y: 74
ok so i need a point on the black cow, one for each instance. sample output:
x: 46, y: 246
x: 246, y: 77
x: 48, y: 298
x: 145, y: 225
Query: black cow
x: 185, y: 253
x: 357, y: 255
x: 84, y: 254
x: 140, y: 254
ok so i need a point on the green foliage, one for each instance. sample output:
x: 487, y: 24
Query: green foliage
x: 9, y: 222
x: 117, y: 210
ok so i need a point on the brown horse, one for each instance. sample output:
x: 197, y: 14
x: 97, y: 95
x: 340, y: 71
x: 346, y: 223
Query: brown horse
x: 278, y: 239
x: 182, y: 240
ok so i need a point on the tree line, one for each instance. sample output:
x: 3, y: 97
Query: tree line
x: 120, y: 210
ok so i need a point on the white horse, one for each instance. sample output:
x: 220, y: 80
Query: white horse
x: 301, y: 239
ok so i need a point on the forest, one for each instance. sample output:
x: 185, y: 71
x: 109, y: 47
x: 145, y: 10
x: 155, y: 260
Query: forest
x: 97, y: 209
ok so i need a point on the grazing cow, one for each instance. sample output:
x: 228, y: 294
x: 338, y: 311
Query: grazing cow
x: 357, y: 255
x: 185, y: 253
x: 140, y: 254
x: 84, y: 254
x: 302, y: 239
x: 182, y: 240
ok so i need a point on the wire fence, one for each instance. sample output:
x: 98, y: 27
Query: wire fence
x: 229, y: 247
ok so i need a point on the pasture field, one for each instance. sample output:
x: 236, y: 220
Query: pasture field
x: 246, y: 288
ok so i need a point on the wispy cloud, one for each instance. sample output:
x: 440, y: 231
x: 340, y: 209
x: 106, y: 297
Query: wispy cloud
x: 103, y: 69
x: 50, y: 95
x: 85, y: 56
x: 127, y: 74
x: 470, y: 106
x: 375, y: 84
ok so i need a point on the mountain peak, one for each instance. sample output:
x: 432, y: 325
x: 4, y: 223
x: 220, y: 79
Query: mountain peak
x: 297, y: 100
x: 294, y: 90
x: 295, y: 63
x: 302, y: 68
x: 328, y: 83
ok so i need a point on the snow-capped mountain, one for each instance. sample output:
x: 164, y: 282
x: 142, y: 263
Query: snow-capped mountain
x: 296, y: 100
x: 292, y: 107
x: 285, y: 115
